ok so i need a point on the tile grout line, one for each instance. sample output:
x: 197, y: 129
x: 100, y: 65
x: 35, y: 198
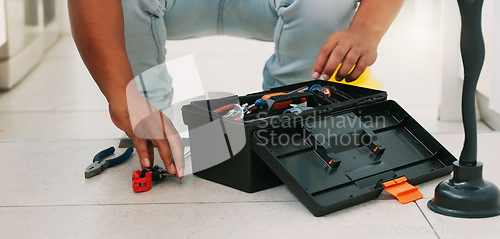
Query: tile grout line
x: 53, y: 111
x: 55, y: 140
x: 142, y: 204
x: 430, y: 224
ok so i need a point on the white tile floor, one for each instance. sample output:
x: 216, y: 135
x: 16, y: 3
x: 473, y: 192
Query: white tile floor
x: 44, y: 193
x: 55, y: 120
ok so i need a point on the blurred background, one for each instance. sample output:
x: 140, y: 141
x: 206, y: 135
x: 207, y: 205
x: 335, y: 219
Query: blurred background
x: 47, y: 93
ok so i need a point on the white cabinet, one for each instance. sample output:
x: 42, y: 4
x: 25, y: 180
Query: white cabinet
x: 488, y: 89
x: 3, y: 27
x: 495, y: 62
x: 31, y: 27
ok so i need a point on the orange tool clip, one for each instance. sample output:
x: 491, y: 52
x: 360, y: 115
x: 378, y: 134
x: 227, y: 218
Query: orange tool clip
x: 402, y: 190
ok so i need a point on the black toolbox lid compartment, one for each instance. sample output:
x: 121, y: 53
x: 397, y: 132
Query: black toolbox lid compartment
x: 336, y: 161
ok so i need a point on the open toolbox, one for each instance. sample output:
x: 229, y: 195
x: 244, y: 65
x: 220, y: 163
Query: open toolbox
x: 332, y: 153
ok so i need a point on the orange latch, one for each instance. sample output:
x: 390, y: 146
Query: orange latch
x: 402, y: 190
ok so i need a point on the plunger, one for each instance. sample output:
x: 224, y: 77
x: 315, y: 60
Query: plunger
x: 467, y: 194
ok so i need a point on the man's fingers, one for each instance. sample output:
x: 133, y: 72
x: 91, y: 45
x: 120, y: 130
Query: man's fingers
x: 349, y: 62
x: 356, y: 73
x: 334, y: 61
x: 319, y: 65
x: 177, y: 148
x: 151, y: 153
x: 165, y: 154
x: 142, y: 150
x: 176, y: 145
x: 322, y: 58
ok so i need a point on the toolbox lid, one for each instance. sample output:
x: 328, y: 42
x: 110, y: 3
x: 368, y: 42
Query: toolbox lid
x: 338, y: 160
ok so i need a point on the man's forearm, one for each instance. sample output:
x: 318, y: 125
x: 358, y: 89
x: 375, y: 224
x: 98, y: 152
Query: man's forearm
x: 375, y: 16
x: 98, y: 31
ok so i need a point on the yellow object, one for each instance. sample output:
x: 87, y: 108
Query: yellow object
x: 366, y: 80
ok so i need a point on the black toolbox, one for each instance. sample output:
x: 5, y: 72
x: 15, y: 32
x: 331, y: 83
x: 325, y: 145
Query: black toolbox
x: 330, y: 155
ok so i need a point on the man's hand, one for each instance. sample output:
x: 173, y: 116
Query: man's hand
x: 356, y: 47
x: 351, y: 48
x: 98, y: 31
x: 153, y: 130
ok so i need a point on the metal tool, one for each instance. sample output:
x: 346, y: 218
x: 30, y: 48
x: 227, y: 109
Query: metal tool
x: 142, y: 180
x: 262, y: 101
x: 158, y: 173
x: 296, y: 110
x: 99, y: 164
x: 303, y: 88
x: 236, y: 111
x: 327, y: 90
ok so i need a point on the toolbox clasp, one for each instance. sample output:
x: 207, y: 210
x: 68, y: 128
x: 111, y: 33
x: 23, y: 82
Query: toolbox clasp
x: 402, y: 190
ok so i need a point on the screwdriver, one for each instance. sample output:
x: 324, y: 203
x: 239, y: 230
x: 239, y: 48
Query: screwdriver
x: 262, y: 101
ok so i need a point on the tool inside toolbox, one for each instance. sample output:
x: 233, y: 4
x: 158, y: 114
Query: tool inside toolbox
x: 309, y: 99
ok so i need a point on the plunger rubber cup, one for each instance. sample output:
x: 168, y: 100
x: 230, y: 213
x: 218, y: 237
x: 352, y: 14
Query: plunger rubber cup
x: 467, y: 194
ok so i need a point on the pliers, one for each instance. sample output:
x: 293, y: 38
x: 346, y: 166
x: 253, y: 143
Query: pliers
x: 99, y: 164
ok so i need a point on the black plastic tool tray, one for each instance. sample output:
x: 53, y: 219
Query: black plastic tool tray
x: 324, y: 171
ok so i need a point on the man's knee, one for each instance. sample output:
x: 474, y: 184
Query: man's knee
x: 153, y: 7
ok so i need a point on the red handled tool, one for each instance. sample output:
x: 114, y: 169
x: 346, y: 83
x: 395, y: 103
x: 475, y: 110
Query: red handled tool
x: 142, y: 180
